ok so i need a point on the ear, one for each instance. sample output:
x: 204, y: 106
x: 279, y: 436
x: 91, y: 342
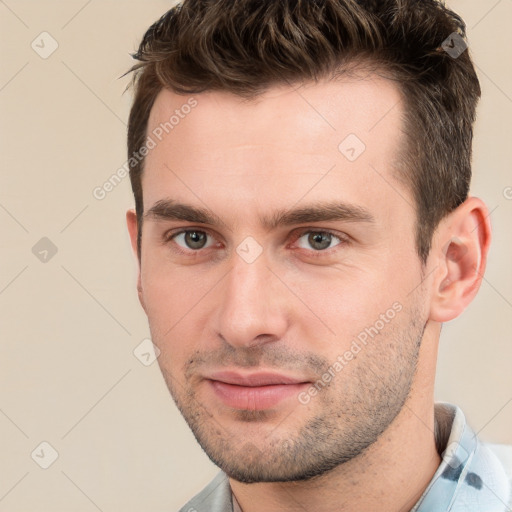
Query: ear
x: 459, y: 252
x: 133, y: 229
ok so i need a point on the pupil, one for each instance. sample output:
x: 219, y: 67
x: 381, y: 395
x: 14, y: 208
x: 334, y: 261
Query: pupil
x: 195, y: 239
x: 320, y: 241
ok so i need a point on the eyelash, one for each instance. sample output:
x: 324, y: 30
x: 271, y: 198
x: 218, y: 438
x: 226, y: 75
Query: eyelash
x: 343, y: 240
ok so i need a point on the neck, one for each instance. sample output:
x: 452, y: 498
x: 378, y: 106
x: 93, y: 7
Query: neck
x: 390, y: 476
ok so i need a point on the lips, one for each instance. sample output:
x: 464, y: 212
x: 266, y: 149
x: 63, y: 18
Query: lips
x: 254, y: 379
x: 256, y: 391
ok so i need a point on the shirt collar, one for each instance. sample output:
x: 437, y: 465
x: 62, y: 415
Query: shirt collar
x: 470, y: 478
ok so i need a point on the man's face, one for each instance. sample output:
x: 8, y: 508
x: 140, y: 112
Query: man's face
x: 292, y: 336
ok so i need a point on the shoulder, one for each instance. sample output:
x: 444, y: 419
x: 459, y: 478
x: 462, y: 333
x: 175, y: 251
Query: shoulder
x: 499, y: 457
x: 504, y: 454
x: 215, y: 497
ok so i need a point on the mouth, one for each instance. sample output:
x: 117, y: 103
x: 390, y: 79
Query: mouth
x: 255, y: 391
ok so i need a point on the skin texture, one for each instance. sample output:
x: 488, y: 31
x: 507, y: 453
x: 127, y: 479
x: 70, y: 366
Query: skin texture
x: 365, y: 440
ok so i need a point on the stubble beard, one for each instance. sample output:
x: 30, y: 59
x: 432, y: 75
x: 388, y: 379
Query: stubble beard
x: 350, y: 414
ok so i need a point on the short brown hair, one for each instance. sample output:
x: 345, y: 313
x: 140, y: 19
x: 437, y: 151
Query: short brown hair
x: 246, y: 46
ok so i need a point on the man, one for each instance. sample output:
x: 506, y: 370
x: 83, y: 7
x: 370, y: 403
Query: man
x: 303, y: 229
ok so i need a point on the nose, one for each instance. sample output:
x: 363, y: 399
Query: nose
x: 252, y: 306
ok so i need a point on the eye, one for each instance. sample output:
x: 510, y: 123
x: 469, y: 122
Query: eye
x: 318, y: 240
x: 192, y: 239
x: 195, y: 240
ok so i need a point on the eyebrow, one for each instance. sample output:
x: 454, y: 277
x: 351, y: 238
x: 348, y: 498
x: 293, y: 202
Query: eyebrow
x: 168, y: 209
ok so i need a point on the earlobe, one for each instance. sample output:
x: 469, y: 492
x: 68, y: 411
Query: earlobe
x: 460, y: 252
x: 141, y: 295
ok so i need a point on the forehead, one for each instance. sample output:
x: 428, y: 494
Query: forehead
x: 355, y: 104
x: 346, y: 133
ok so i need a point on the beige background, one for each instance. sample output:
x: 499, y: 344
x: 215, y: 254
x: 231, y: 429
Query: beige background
x: 69, y: 326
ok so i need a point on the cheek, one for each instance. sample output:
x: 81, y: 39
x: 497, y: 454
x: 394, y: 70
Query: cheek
x: 366, y: 311
x: 177, y: 302
x: 347, y: 296
x: 169, y: 290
